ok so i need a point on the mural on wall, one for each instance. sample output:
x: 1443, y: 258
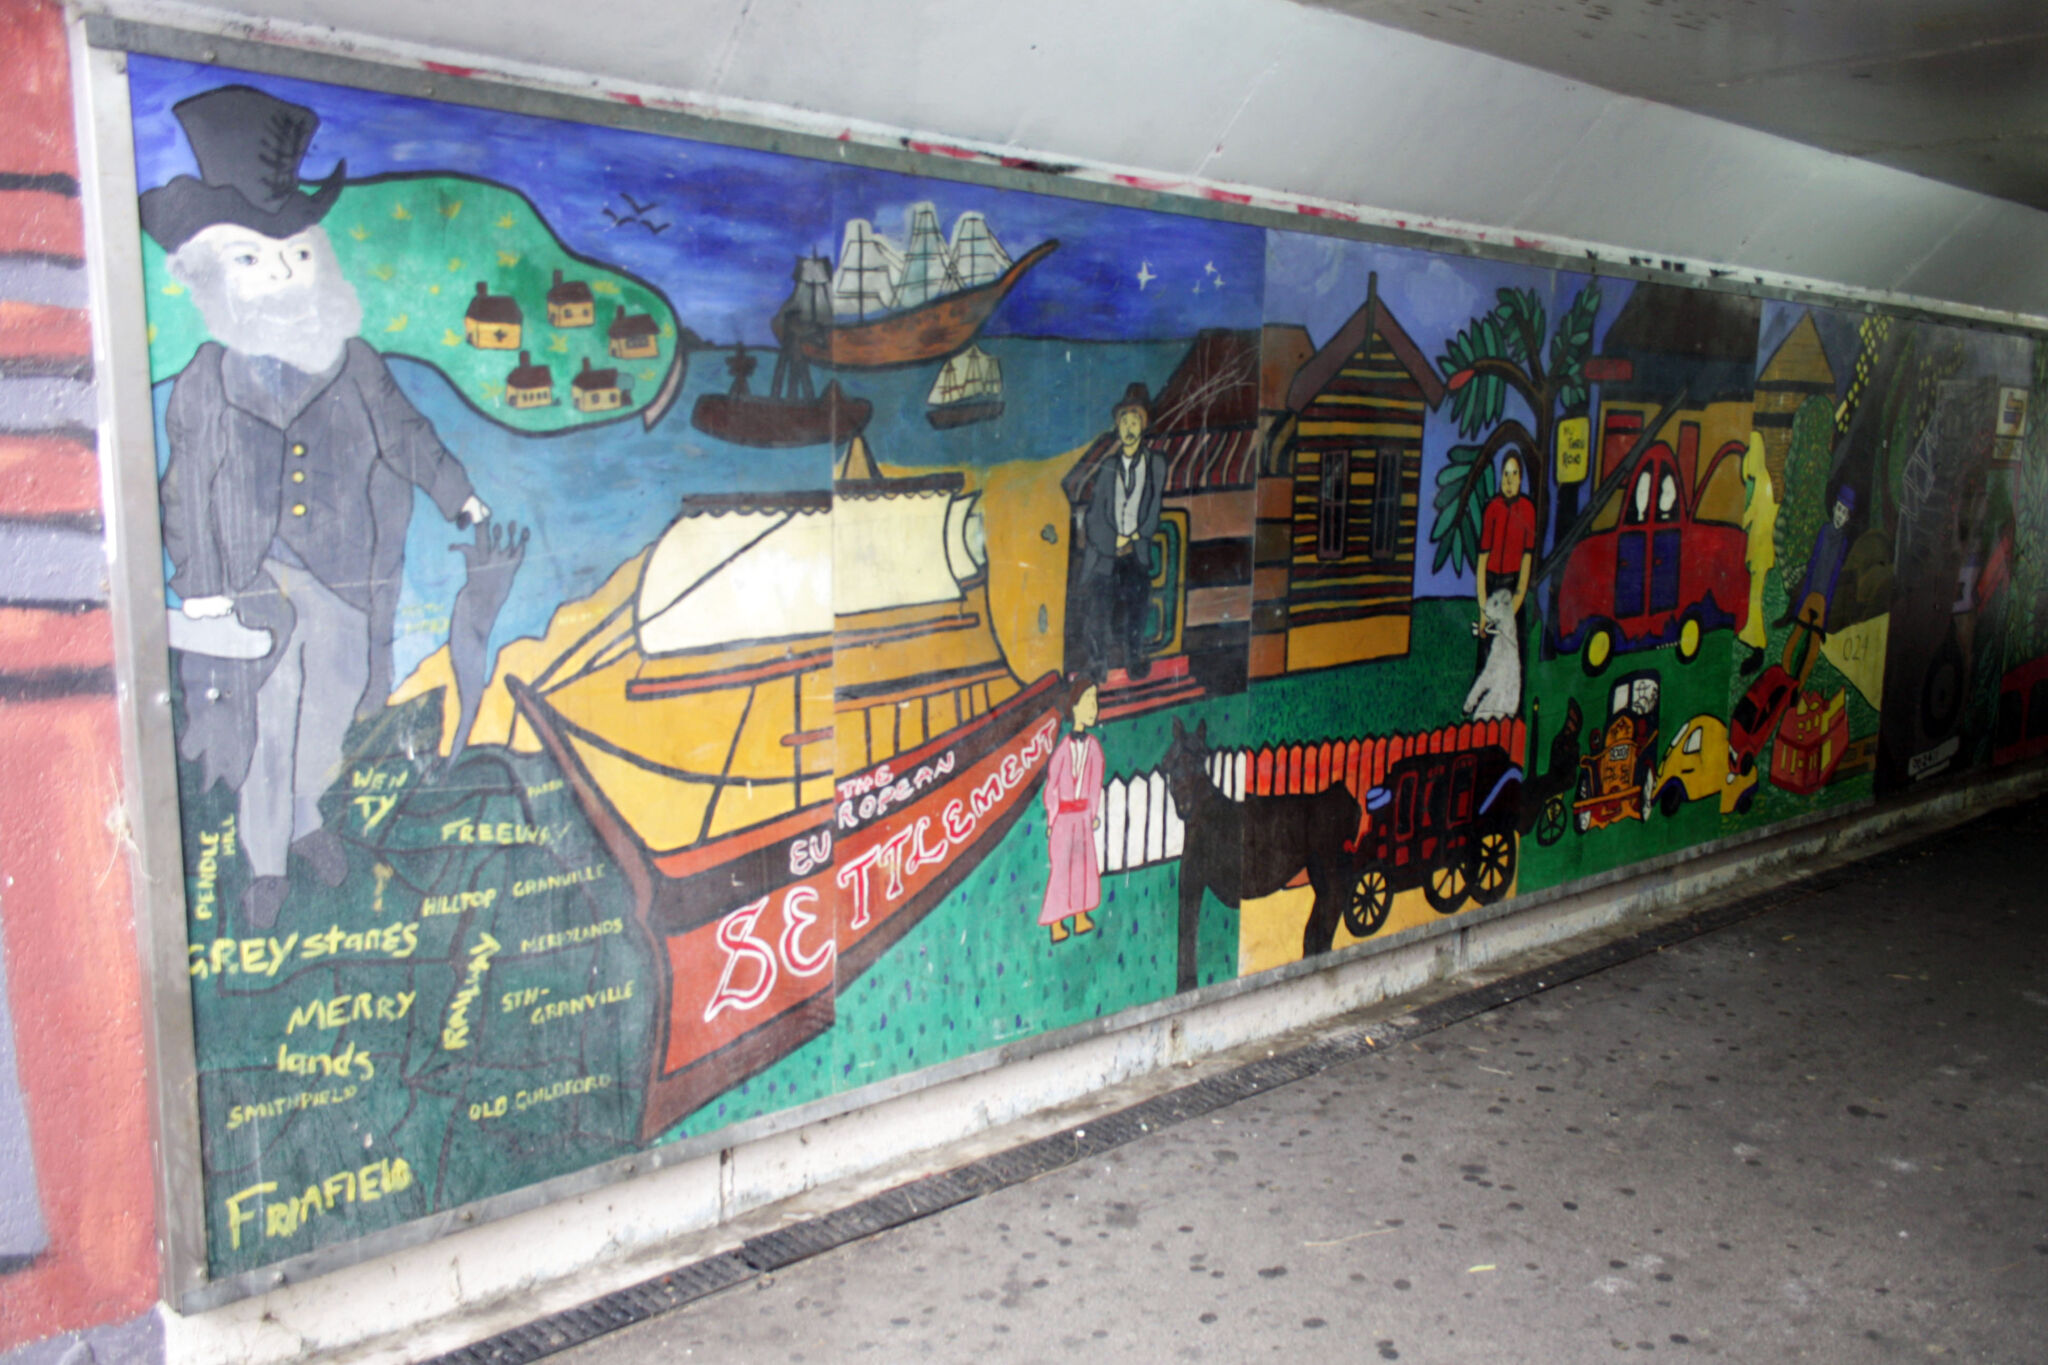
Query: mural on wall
x: 1946, y: 485
x: 2021, y: 730
x: 1409, y: 445
x: 1800, y: 732
x: 584, y: 742
x: 664, y: 633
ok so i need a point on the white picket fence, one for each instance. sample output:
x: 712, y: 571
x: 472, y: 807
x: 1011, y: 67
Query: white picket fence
x: 1140, y: 826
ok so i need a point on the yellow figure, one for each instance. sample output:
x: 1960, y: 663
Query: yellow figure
x: 1760, y: 522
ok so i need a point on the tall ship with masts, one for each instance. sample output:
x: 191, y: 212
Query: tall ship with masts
x: 795, y: 737
x: 912, y: 303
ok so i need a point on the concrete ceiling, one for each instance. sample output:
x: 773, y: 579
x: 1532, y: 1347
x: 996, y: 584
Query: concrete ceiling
x: 1332, y: 102
x: 1956, y: 90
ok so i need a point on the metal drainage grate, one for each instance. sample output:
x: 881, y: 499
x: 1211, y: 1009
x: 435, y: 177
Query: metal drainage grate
x: 907, y: 1203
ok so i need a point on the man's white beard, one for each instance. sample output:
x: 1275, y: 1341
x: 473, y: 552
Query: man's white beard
x: 305, y: 325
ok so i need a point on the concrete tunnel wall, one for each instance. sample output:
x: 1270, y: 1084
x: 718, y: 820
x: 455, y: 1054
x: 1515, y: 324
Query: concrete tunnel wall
x: 1532, y: 164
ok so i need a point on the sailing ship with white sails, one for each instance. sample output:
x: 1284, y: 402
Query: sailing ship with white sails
x: 969, y: 389
x: 903, y: 304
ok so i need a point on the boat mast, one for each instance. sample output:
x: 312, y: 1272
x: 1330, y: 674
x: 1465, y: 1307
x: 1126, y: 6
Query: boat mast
x: 928, y: 271
x: 804, y: 315
x: 869, y: 268
x: 978, y: 257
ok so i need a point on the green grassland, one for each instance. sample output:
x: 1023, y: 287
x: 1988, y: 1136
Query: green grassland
x: 415, y: 248
x: 1421, y: 690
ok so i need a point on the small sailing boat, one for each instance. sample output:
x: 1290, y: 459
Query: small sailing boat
x: 908, y: 305
x: 790, y: 413
x: 969, y: 389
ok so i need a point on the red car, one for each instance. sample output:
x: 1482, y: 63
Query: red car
x: 1658, y: 574
x: 1758, y: 713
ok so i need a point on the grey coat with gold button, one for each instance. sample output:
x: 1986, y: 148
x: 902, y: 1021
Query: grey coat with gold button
x: 321, y: 470
x: 239, y: 431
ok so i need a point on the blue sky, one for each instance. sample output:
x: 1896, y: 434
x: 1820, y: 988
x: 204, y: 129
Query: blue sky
x: 740, y: 218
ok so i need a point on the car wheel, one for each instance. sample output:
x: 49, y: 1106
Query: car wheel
x: 1447, y: 885
x: 1371, y: 898
x: 1690, y: 636
x: 1493, y: 866
x: 1598, y: 651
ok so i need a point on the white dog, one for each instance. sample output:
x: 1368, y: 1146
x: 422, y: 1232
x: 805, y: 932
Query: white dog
x: 1497, y: 692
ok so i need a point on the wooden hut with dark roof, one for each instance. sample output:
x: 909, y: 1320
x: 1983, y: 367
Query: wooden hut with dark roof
x: 633, y: 336
x: 529, y: 385
x: 1338, y: 495
x: 492, y: 322
x: 598, y: 390
x: 570, y: 303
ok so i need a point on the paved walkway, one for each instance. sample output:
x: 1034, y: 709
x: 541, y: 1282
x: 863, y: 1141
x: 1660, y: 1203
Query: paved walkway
x: 1818, y: 1135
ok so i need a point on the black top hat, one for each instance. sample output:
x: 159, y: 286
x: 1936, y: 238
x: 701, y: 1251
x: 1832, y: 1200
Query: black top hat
x: 249, y: 146
x: 1136, y: 396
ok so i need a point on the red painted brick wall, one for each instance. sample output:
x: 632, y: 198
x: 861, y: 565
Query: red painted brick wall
x: 66, y: 920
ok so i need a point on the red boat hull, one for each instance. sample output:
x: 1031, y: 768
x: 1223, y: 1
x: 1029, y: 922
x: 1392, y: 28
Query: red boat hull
x: 752, y: 933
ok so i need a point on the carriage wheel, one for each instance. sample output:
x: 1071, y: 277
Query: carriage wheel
x: 1446, y: 886
x: 1371, y: 898
x: 1550, y: 826
x: 1493, y: 865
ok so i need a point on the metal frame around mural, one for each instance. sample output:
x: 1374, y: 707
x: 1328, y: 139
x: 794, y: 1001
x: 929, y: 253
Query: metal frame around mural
x: 134, y: 534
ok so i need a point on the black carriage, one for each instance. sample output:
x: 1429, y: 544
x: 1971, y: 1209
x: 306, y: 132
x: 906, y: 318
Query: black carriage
x: 1443, y: 822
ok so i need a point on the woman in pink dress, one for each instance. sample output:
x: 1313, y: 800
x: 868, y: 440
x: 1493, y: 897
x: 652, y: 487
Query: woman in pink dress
x: 1073, y: 808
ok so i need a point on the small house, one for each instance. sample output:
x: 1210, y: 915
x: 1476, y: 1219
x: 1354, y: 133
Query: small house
x: 493, y: 322
x: 529, y: 385
x: 570, y: 303
x: 1797, y: 372
x: 1335, y: 536
x: 595, y: 390
x: 634, y: 336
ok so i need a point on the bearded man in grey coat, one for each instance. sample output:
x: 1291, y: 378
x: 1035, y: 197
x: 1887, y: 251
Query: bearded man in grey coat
x: 293, y: 456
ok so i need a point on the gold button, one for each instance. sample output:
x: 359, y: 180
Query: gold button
x: 298, y: 448
x: 298, y: 476
x: 298, y: 509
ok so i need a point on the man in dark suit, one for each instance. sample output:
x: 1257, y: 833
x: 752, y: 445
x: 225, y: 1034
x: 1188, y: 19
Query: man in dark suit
x: 1116, y: 540
x: 293, y: 456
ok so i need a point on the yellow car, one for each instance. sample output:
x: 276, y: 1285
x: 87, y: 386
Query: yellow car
x: 1700, y: 764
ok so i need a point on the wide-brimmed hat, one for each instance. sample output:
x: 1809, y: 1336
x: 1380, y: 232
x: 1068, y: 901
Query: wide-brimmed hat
x: 249, y: 146
x: 1136, y: 396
